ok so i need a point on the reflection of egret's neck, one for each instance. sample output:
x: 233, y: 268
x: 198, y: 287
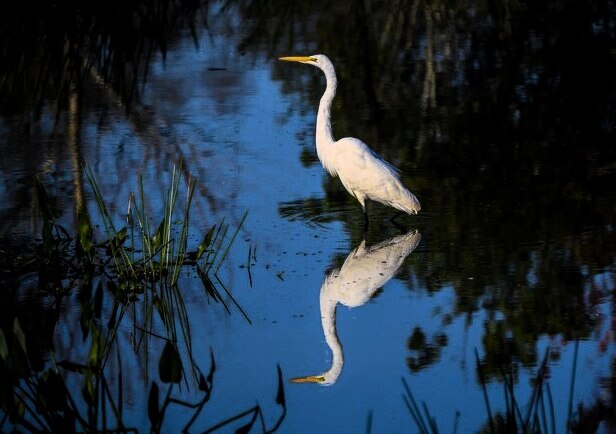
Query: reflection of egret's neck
x: 328, y: 321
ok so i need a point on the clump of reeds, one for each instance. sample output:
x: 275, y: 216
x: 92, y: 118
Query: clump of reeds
x: 159, y: 254
x: 147, y: 259
x: 140, y: 268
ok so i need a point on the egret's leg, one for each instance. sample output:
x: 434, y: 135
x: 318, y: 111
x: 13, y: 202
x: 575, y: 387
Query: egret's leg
x: 362, y: 201
x: 365, y: 212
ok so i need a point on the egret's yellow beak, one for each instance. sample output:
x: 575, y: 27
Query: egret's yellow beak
x: 301, y: 59
x: 309, y: 379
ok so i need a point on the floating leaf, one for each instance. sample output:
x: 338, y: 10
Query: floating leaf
x: 170, y: 365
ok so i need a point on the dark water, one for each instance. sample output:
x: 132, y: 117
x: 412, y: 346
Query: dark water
x: 501, y: 116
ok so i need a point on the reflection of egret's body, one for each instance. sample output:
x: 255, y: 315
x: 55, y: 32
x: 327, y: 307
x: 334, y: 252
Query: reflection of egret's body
x: 363, y: 272
x: 363, y: 173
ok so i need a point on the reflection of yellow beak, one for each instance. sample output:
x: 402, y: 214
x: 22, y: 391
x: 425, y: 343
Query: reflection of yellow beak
x: 309, y: 379
x: 298, y: 59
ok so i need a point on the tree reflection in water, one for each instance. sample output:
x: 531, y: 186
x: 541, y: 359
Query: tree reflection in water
x: 515, y: 144
x: 506, y: 112
x: 503, y: 111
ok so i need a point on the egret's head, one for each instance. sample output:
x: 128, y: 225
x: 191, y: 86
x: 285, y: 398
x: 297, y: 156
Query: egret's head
x: 321, y: 61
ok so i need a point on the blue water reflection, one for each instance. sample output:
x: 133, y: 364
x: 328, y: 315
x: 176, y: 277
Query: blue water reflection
x: 491, y: 273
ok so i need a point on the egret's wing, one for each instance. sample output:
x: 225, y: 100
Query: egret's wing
x: 354, y: 154
x: 394, y: 170
x: 361, y: 170
x: 367, y: 176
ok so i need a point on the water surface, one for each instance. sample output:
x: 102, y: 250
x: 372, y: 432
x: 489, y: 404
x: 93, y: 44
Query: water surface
x: 502, y: 122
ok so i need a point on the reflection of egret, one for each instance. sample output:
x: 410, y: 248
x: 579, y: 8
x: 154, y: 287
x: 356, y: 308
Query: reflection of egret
x: 362, y: 172
x: 363, y: 272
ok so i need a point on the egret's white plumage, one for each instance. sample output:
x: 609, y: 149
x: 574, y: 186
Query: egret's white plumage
x: 365, y: 270
x: 362, y: 172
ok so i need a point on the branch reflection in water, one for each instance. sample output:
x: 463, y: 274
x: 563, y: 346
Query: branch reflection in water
x: 365, y: 270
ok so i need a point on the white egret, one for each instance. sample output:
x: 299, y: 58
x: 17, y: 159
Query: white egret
x: 365, y: 270
x: 362, y: 172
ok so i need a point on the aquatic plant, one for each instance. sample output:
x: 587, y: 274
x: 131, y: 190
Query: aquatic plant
x: 127, y: 282
x: 42, y: 401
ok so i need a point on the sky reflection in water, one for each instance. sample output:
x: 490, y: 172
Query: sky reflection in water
x: 490, y: 273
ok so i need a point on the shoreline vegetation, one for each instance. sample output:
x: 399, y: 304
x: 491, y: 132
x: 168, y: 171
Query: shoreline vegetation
x: 126, y: 280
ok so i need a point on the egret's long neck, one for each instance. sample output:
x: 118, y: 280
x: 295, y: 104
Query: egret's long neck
x: 324, y: 136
